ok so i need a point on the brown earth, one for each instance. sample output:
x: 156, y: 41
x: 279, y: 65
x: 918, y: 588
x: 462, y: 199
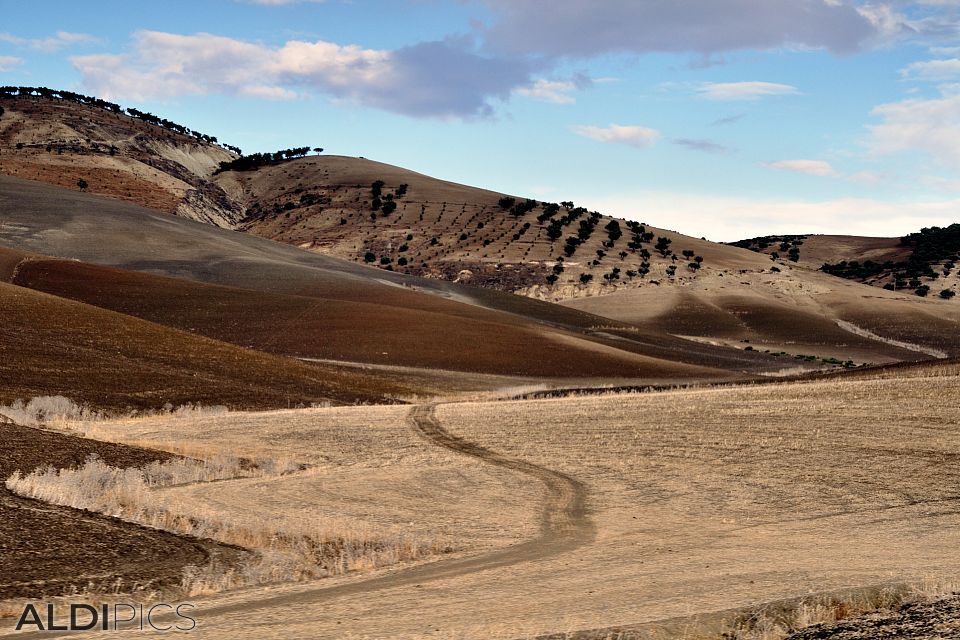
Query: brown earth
x: 915, y: 621
x: 61, y: 142
x: 53, y: 346
x: 429, y: 335
x: 49, y: 550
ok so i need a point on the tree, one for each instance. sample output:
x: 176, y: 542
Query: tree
x: 663, y: 246
x: 585, y: 278
x: 1, y: 112
x: 82, y: 184
x: 318, y: 150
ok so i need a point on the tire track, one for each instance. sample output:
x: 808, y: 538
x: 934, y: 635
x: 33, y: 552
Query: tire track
x: 565, y: 525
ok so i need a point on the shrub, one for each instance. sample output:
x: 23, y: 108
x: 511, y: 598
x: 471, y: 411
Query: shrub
x: 389, y: 207
x: 369, y: 256
x: 922, y: 290
x: 506, y: 202
x: 82, y: 184
x: 585, y: 278
x: 45, y: 409
x: 946, y: 294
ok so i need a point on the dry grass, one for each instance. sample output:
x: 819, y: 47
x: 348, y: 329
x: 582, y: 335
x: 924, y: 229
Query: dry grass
x: 705, y: 501
x: 283, y: 551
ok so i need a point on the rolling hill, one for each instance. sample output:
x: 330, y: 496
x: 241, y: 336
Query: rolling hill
x: 378, y: 250
x: 261, y: 294
x: 108, y: 360
x: 63, y: 141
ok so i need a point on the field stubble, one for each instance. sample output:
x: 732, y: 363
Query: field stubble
x: 703, y: 501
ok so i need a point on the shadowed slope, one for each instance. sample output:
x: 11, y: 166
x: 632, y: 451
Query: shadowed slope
x: 52, y: 346
x: 489, y: 342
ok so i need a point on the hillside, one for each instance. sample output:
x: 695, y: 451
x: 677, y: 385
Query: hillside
x: 252, y: 292
x: 800, y: 314
x: 63, y: 141
x: 923, y: 262
x: 52, y: 346
x: 388, y: 251
x: 399, y: 220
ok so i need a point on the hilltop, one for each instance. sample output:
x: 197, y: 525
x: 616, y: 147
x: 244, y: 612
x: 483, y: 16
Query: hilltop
x: 80, y: 142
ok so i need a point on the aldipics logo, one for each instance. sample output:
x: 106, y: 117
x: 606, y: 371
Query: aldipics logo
x: 118, y: 616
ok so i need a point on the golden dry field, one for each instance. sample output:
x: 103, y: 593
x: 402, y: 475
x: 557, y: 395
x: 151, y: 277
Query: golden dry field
x: 668, y: 510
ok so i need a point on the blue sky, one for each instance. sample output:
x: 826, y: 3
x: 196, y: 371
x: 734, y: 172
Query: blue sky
x: 717, y: 118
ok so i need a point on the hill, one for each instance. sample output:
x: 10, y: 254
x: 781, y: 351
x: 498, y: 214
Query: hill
x: 252, y: 292
x: 351, y: 208
x: 64, y: 138
x: 363, y: 232
x: 921, y: 262
x: 800, y: 314
x: 399, y: 220
x: 52, y: 346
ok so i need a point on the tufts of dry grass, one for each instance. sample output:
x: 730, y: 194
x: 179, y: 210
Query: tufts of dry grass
x: 283, y: 552
x: 46, y: 409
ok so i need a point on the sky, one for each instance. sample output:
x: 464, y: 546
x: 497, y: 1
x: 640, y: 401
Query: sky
x: 725, y: 119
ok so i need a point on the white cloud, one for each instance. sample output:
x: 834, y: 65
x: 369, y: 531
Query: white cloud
x: 928, y: 126
x: 820, y: 168
x: 50, y: 44
x: 439, y: 79
x: 634, y: 136
x: 728, y: 91
x: 556, y: 91
x: 937, y: 70
x: 7, y: 62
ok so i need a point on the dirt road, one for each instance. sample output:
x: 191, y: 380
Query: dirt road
x: 565, y: 525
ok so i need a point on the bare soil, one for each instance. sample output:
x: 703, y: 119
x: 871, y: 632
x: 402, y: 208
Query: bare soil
x: 48, y: 550
x: 916, y: 621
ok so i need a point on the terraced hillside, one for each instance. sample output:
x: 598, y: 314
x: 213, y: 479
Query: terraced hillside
x: 399, y: 220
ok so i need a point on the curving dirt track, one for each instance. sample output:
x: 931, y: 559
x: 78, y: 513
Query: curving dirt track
x: 565, y: 525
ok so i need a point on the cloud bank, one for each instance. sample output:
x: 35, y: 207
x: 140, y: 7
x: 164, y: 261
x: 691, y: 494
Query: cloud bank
x: 433, y: 79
